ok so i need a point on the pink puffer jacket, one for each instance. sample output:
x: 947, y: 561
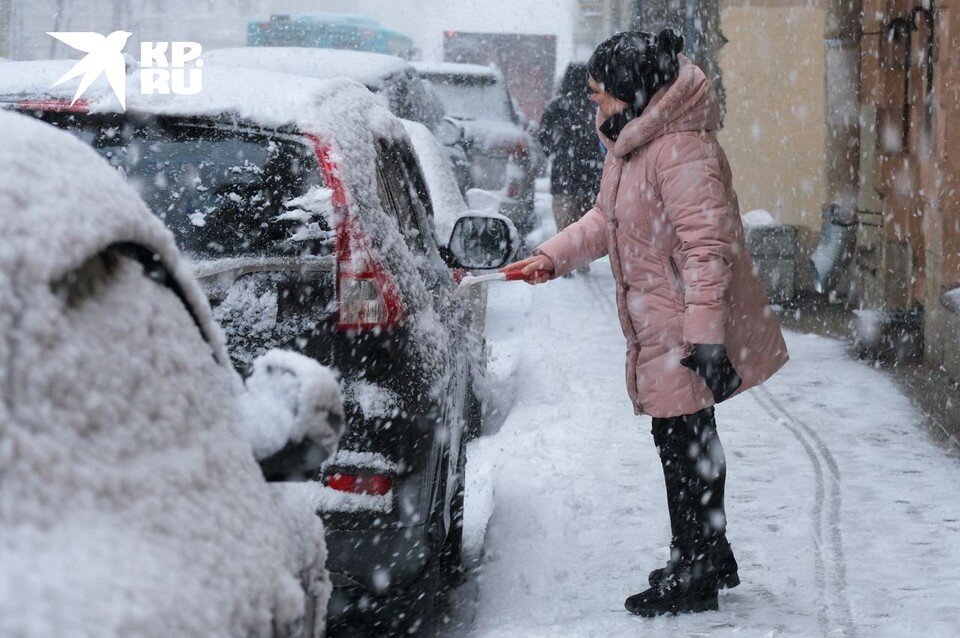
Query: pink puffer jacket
x: 668, y: 217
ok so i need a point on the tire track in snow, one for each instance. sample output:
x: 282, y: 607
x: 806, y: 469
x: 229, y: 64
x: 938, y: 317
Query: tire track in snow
x: 827, y: 503
x: 819, y: 562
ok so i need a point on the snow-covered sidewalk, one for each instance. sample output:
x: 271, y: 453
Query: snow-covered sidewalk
x: 844, y: 516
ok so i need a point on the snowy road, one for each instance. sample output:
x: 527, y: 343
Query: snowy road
x: 845, y: 517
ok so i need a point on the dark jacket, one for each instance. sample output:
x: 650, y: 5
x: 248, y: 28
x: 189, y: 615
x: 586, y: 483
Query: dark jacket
x: 568, y: 134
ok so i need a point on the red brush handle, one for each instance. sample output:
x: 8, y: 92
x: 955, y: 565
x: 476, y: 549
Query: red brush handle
x: 517, y: 275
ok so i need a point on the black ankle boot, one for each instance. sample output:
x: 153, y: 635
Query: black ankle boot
x: 701, y: 562
x: 722, y: 567
x: 681, y: 591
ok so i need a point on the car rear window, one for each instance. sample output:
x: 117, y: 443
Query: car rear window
x: 478, y: 97
x: 219, y: 190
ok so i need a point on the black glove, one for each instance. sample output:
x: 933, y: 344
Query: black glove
x: 710, y: 361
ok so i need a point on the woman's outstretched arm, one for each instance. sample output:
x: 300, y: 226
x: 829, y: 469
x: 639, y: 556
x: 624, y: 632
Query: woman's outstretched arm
x: 578, y: 244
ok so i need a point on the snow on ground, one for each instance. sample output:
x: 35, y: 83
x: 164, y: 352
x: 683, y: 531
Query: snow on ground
x: 842, y: 512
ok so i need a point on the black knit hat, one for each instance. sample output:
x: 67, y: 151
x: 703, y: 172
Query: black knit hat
x: 633, y: 65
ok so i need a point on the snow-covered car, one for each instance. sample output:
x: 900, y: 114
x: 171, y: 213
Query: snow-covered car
x: 502, y: 155
x: 448, y: 206
x: 130, y: 503
x: 306, y: 216
x: 392, y: 79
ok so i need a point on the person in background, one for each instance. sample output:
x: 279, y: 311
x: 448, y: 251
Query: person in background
x: 568, y: 135
x: 698, y: 325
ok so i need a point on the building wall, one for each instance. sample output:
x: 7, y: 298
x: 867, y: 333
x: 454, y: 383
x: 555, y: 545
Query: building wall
x: 916, y: 98
x: 773, y: 70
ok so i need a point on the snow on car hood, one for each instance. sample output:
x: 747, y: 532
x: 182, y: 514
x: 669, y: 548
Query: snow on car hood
x: 129, y: 502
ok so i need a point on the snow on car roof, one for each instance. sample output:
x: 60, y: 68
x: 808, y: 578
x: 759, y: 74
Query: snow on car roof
x: 341, y: 111
x: 371, y: 69
x: 453, y: 68
x: 263, y: 98
x: 60, y: 204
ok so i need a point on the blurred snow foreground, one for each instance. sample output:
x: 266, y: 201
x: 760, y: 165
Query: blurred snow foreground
x: 130, y: 504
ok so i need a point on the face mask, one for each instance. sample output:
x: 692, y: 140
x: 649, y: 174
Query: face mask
x: 613, y: 126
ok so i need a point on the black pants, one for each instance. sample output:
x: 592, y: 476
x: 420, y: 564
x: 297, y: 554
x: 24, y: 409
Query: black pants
x: 695, y: 471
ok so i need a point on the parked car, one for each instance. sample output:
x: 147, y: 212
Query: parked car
x: 307, y: 219
x: 448, y: 206
x: 132, y: 505
x: 391, y: 79
x: 502, y: 155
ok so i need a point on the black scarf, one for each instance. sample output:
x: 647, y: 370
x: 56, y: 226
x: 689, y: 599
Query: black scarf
x: 614, y: 125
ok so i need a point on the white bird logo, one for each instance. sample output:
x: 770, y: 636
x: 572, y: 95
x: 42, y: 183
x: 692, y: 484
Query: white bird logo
x: 104, y: 55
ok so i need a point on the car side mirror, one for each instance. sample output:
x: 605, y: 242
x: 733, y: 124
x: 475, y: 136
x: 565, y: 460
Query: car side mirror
x: 449, y: 132
x: 291, y: 413
x: 483, y: 241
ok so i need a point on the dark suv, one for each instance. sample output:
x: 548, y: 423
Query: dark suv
x: 309, y: 225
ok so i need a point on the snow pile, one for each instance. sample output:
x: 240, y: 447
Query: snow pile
x: 756, y: 218
x: 248, y: 315
x: 454, y: 68
x: 372, y: 69
x: 448, y: 204
x: 130, y: 505
x: 369, y: 461
x: 289, y: 398
x: 374, y: 401
x: 329, y: 500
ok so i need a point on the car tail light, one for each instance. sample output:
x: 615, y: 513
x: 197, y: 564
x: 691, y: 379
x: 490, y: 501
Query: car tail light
x: 514, y: 178
x: 368, y: 298
x: 360, y: 300
x: 373, y: 484
x: 515, y: 150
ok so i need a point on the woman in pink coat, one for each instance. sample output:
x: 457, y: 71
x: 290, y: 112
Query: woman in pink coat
x: 695, y: 316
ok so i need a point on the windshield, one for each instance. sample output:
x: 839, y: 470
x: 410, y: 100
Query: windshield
x: 219, y: 191
x: 476, y: 97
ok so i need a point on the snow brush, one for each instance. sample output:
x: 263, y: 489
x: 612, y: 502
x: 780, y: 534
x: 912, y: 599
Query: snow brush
x: 514, y: 275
